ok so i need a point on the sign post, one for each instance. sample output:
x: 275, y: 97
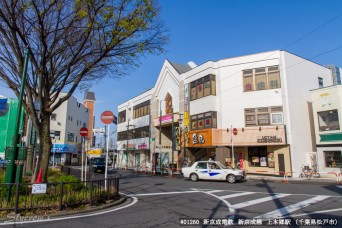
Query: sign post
x: 234, y: 131
x: 107, y: 117
x: 83, y: 133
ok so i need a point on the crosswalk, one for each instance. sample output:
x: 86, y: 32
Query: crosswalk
x: 275, y: 205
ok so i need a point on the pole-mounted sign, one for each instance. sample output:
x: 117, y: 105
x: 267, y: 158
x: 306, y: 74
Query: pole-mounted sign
x: 107, y: 117
x: 83, y: 131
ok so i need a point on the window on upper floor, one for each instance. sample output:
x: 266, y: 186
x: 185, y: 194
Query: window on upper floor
x: 122, y: 117
x: 142, y: 109
x: 261, y: 78
x: 53, y: 117
x: 203, y: 87
x: 70, y: 137
x: 320, y: 82
x: 263, y: 116
x: 204, y: 120
x: 328, y: 120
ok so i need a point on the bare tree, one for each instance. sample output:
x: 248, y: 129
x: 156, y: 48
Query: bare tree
x: 72, y: 43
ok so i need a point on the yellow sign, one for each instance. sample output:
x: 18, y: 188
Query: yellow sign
x: 186, y: 118
x: 94, y: 152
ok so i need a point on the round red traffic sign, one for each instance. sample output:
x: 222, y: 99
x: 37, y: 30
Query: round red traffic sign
x: 107, y: 117
x: 83, y: 131
x: 235, y: 131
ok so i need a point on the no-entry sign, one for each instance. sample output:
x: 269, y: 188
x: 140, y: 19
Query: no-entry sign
x: 83, y: 131
x: 107, y: 117
x: 235, y: 131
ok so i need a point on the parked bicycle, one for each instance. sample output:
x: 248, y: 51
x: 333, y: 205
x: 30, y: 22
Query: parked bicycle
x: 308, y: 172
x: 305, y: 172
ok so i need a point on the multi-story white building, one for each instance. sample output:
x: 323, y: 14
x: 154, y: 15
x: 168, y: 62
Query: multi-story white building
x: 327, y: 107
x: 65, y: 126
x: 133, y: 141
x: 253, y: 111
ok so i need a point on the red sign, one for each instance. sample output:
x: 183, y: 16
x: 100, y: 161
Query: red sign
x: 107, y: 117
x: 83, y: 131
x: 235, y: 131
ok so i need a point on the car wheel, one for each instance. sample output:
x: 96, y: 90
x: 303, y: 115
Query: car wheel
x: 231, y: 178
x: 194, y: 177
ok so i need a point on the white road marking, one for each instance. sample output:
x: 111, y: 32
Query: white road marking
x: 294, y: 207
x: 231, y: 213
x: 135, y: 200
x: 257, y: 201
x: 237, y: 195
x: 161, y: 193
x: 315, y: 212
x: 213, y: 191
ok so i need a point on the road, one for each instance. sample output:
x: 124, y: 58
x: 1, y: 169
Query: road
x: 156, y: 201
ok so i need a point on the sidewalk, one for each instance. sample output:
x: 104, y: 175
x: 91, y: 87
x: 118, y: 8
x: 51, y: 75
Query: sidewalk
x: 253, y: 177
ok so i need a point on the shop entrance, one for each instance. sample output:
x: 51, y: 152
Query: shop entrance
x: 281, y: 162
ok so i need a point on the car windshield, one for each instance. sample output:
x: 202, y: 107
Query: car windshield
x: 221, y: 165
x: 99, y: 160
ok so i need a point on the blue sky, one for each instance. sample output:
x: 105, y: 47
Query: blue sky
x: 202, y: 30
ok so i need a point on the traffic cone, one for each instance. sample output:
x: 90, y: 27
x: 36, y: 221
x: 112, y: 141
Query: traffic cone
x: 39, y: 178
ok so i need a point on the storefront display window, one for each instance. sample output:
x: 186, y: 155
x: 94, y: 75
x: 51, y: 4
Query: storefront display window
x: 270, y: 158
x: 257, y: 156
x: 333, y: 159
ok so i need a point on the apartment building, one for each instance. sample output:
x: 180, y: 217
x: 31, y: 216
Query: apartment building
x: 66, y: 122
x: 327, y: 106
x: 251, y: 111
x: 133, y: 140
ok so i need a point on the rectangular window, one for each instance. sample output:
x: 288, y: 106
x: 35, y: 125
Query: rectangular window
x: 257, y: 156
x: 333, y: 159
x: 263, y: 116
x: 320, y: 82
x: 328, y: 120
x: 263, y: 119
x: 53, y: 117
x: 248, y: 80
x: 203, y: 87
x: 70, y: 137
x: 193, y: 90
x: 261, y: 78
x: 277, y: 118
x: 193, y: 123
x: 200, y: 121
x: 199, y: 88
x: 122, y: 117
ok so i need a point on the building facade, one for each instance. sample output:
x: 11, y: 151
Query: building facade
x: 252, y: 111
x: 66, y: 122
x: 327, y: 106
x: 133, y: 137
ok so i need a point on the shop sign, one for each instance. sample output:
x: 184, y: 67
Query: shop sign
x: 131, y: 147
x: 165, y: 119
x: 38, y: 188
x: 142, y: 146
x: 270, y: 139
x: 197, y: 139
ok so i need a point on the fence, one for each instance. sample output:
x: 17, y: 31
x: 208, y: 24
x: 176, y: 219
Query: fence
x: 64, y: 195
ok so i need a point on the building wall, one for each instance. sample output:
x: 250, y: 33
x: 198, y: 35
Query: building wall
x: 299, y: 76
x: 326, y: 99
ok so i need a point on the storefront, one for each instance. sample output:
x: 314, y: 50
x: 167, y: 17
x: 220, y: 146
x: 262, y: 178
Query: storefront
x: 259, y: 150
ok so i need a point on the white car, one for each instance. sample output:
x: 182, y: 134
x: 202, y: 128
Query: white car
x: 213, y: 170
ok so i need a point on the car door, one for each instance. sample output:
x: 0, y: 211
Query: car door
x: 201, y: 170
x: 214, y: 171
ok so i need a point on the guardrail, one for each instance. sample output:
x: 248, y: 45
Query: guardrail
x: 338, y: 176
x: 279, y: 173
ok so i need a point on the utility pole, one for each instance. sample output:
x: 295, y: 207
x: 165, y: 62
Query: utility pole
x: 160, y: 121
x: 11, y: 173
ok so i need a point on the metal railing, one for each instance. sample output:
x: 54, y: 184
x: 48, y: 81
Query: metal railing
x: 63, y: 195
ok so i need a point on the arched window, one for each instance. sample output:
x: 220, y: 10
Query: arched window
x: 168, y: 104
